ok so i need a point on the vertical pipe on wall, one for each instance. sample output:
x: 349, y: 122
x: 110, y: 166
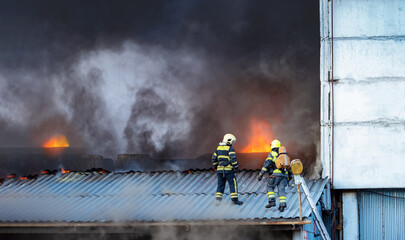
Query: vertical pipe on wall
x: 332, y: 103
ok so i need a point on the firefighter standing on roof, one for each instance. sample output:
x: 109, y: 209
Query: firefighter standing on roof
x: 278, y: 177
x: 224, y: 159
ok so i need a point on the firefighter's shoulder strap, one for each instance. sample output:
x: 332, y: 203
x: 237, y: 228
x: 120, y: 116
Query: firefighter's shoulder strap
x: 283, y: 160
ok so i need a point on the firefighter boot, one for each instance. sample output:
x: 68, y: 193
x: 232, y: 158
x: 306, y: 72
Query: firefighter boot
x: 235, y: 201
x: 282, y: 206
x: 272, y: 203
x: 218, y: 201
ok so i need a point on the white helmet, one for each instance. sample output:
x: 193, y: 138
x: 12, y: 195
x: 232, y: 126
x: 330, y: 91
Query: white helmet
x: 275, y: 144
x: 229, y: 139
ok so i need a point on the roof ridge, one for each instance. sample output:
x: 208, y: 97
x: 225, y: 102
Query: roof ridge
x: 112, y: 195
x: 205, y: 194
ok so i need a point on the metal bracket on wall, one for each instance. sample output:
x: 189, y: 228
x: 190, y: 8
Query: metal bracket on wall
x: 332, y: 80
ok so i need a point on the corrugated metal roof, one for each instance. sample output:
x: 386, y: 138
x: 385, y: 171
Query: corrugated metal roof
x: 141, y: 197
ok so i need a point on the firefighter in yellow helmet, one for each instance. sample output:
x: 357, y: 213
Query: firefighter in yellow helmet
x: 224, y: 160
x: 278, y: 177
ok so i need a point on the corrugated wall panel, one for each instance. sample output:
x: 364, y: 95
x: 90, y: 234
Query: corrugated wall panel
x: 382, y: 214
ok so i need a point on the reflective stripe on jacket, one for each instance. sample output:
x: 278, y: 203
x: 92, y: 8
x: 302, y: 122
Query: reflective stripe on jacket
x: 224, y: 158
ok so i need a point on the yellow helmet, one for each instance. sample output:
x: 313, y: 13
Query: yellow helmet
x: 229, y: 139
x: 275, y: 144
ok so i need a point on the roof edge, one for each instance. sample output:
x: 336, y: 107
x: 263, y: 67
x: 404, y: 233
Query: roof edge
x: 278, y: 222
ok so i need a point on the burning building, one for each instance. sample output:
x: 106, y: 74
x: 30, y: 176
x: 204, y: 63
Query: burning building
x: 160, y: 81
x: 168, y: 82
x: 55, y: 153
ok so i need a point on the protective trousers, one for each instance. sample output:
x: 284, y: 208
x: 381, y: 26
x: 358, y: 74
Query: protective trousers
x: 222, y: 178
x: 281, y: 183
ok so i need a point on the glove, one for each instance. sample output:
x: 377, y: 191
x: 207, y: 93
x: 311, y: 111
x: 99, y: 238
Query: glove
x: 236, y: 169
x: 259, y: 178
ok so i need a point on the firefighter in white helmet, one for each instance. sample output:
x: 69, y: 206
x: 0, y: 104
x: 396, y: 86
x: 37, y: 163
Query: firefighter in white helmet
x: 278, y: 177
x: 224, y: 160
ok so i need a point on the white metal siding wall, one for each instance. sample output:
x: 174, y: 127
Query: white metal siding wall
x: 350, y: 216
x: 382, y: 214
x: 363, y: 118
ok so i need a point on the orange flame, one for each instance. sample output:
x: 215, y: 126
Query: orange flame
x: 63, y: 171
x: 259, y: 138
x: 56, y: 141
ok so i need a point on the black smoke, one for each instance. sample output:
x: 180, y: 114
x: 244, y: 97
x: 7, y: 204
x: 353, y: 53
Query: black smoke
x: 167, y: 78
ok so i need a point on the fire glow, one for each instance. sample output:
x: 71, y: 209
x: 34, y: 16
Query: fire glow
x: 259, y: 138
x: 56, y: 141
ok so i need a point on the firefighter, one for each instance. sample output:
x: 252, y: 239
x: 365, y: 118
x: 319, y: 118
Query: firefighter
x: 224, y: 160
x: 278, y: 177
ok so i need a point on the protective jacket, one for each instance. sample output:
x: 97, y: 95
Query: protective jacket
x: 270, y: 166
x: 224, y: 158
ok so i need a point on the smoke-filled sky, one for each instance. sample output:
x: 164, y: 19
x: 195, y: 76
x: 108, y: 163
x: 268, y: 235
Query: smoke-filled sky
x: 168, y: 78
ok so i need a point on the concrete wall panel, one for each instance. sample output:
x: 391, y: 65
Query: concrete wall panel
x: 363, y: 59
x: 368, y: 18
x: 369, y: 156
x: 362, y: 92
x: 361, y: 101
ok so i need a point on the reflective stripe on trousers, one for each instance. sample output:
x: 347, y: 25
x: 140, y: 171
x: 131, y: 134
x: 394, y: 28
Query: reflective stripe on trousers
x: 281, y: 183
x: 227, y: 176
x: 271, y: 195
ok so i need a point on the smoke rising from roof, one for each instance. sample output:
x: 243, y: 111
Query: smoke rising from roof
x: 164, y: 77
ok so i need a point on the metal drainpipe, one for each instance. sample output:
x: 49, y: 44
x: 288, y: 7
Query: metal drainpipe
x: 332, y: 101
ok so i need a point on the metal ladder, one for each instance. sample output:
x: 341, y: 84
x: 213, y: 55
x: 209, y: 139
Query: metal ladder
x: 300, y: 182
